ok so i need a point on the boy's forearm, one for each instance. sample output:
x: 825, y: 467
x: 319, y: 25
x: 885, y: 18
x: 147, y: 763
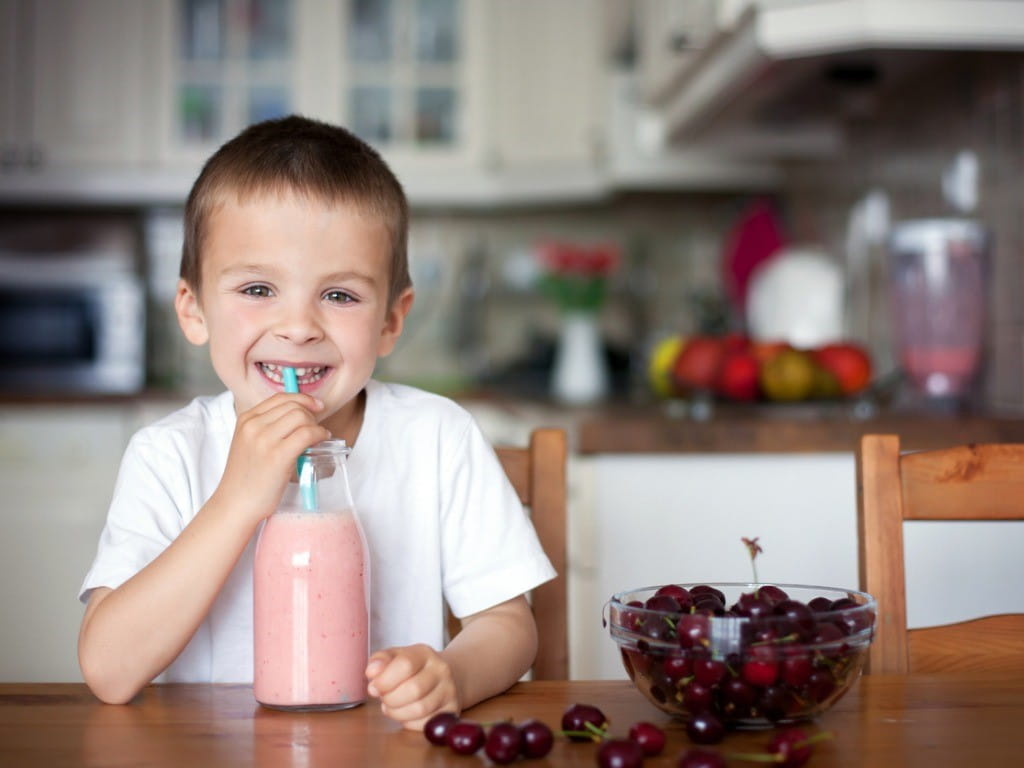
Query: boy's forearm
x: 492, y: 651
x: 134, y: 632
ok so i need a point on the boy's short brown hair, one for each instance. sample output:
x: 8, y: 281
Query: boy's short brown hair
x: 309, y: 158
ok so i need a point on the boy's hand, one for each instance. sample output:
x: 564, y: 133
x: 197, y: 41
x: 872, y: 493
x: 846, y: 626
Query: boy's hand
x: 413, y: 683
x: 268, y: 439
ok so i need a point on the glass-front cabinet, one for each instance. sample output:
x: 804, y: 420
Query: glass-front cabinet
x: 395, y: 72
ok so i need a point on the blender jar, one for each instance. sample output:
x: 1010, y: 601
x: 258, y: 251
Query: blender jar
x: 938, y: 289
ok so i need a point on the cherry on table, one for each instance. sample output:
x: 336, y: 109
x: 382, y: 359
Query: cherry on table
x: 649, y: 736
x: 620, y: 753
x: 436, y: 728
x: 503, y: 743
x: 536, y: 739
x: 705, y: 728
x: 576, y: 718
x: 465, y: 737
x: 700, y: 758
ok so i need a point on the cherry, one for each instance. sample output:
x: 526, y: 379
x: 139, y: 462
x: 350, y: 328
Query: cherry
x: 736, y: 696
x: 692, y: 630
x: 708, y: 671
x: 662, y: 602
x: 502, y: 743
x: 792, y: 747
x: 465, y: 737
x: 680, y: 594
x: 753, y: 605
x: 649, y: 736
x: 536, y: 739
x: 436, y: 728
x: 697, y: 697
x: 795, y: 670
x: 620, y: 753
x: 700, y: 758
x: 578, y: 717
x: 772, y: 594
x: 761, y: 667
x: 676, y: 667
x: 799, y: 615
x: 773, y: 701
x: 820, y: 604
x: 705, y: 728
x: 820, y: 685
x: 705, y: 589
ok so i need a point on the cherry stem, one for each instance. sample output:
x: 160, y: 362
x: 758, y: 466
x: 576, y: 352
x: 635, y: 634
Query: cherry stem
x: 591, y: 732
x: 778, y: 757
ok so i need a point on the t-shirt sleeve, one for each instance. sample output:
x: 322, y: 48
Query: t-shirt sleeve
x: 490, y: 550
x: 144, y: 515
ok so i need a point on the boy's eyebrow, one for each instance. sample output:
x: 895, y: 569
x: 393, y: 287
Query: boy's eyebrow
x: 350, y: 275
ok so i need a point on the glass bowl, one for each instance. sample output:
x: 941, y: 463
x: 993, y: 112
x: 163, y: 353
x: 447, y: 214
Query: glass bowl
x: 755, y: 655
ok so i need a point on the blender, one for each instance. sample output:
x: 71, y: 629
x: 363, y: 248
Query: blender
x: 938, y: 272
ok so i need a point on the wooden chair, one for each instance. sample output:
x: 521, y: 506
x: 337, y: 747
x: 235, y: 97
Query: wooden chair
x: 967, y: 482
x: 538, y: 473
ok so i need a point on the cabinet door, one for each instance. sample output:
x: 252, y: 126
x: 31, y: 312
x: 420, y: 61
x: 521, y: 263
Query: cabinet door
x: 409, y: 78
x: 15, y: 84
x: 546, y: 86
x: 57, y: 470
x: 225, y: 64
x: 89, y: 68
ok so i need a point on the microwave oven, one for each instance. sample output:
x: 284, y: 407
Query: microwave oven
x: 71, y: 324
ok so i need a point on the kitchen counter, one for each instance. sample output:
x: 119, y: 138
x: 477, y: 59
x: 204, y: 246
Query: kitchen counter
x: 781, y: 429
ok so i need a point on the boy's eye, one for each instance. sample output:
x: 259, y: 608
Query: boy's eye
x: 339, y: 297
x: 261, y: 291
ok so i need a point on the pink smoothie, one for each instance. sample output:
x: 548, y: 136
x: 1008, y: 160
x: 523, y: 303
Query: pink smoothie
x: 310, y: 611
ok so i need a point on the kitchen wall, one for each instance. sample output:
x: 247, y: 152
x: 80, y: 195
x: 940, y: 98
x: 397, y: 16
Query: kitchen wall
x: 901, y: 141
x: 479, y: 318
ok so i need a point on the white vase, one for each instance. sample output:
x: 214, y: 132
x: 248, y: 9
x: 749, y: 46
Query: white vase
x: 580, y: 374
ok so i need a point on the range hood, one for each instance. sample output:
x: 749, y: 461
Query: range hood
x: 777, y: 77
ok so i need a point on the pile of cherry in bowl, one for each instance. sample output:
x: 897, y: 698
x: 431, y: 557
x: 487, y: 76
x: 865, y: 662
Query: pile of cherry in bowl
x: 753, y: 655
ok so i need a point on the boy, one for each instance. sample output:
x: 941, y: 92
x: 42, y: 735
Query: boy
x: 295, y: 255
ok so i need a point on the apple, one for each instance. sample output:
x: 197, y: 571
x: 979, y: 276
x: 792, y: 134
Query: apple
x: 848, y: 362
x: 738, y: 376
x: 697, y: 365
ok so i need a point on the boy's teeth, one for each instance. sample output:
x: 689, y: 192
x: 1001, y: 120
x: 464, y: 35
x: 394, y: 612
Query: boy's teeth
x: 307, y: 375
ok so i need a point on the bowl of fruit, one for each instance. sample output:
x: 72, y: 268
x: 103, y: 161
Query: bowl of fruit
x: 742, y: 655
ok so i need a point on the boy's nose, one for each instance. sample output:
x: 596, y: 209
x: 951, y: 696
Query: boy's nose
x: 298, y: 327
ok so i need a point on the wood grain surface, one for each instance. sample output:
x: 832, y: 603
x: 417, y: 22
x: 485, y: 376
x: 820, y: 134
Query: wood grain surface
x: 902, y: 721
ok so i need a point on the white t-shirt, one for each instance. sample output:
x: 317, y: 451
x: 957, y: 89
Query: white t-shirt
x: 441, y: 519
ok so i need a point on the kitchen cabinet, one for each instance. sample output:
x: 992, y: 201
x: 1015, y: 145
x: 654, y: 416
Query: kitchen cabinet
x: 57, y: 471
x: 73, y: 85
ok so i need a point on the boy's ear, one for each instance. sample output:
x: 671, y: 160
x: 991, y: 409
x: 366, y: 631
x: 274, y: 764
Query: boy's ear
x: 190, y: 315
x: 394, y: 322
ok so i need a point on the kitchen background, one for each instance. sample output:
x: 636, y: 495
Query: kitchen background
x: 653, y: 127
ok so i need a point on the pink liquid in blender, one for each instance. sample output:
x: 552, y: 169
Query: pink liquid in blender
x: 310, y: 611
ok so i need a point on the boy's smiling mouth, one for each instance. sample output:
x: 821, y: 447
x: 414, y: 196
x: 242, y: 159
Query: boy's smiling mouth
x: 306, y: 375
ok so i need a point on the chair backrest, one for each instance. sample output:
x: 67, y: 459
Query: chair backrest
x: 538, y: 473
x: 966, y: 482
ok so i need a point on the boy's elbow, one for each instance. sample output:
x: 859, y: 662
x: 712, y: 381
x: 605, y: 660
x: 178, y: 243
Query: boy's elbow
x: 104, y: 683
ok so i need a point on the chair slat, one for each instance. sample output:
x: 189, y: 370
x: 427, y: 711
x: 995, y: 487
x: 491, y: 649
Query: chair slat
x: 967, y: 482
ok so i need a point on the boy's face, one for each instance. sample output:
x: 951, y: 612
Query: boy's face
x: 288, y: 281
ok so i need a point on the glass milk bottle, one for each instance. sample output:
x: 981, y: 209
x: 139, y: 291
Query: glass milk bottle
x: 311, y: 591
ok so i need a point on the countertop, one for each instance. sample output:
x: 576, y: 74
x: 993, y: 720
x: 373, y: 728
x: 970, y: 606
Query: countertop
x: 676, y: 427
x: 783, y: 429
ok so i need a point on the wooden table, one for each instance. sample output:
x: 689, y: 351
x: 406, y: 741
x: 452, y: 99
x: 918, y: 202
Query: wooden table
x: 904, y: 721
